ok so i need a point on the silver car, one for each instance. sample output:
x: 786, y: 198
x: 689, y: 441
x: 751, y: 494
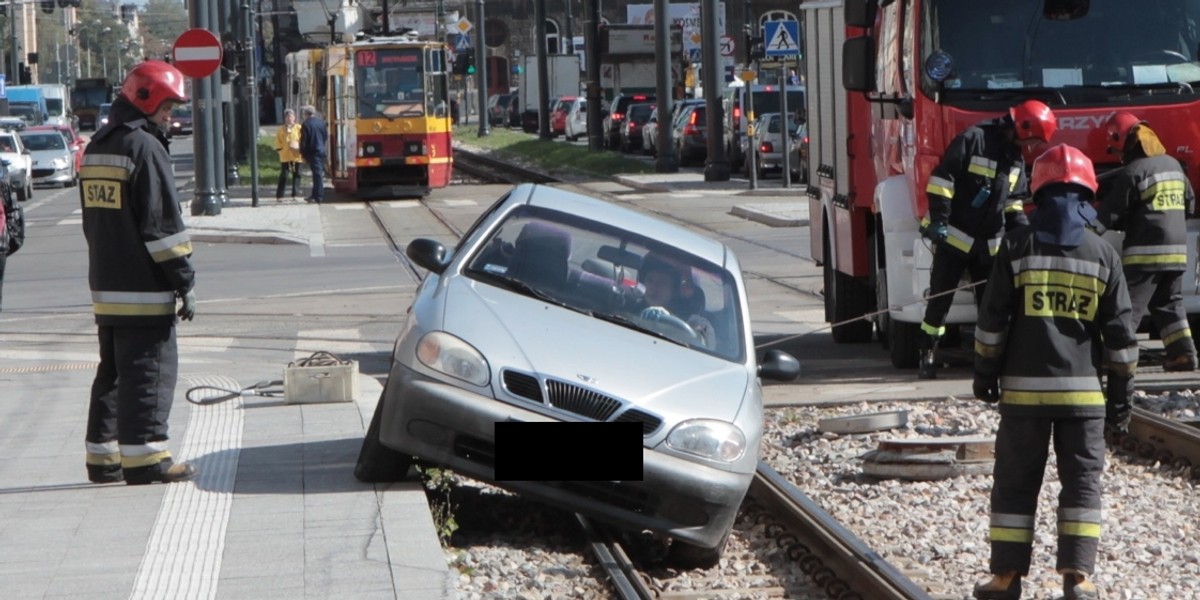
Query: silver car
x: 53, y: 159
x: 549, y: 311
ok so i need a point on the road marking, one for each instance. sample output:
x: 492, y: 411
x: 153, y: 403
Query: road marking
x: 72, y: 221
x: 685, y: 195
x: 316, y: 234
x: 460, y: 203
x: 403, y: 204
x: 183, y: 555
x: 349, y: 206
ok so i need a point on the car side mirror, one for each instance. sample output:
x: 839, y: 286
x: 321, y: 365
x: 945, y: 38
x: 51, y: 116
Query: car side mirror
x: 429, y: 254
x: 778, y: 365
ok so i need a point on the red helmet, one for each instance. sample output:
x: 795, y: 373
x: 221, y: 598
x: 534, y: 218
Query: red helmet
x: 151, y: 83
x: 1033, y: 119
x: 1063, y: 164
x: 1117, y: 131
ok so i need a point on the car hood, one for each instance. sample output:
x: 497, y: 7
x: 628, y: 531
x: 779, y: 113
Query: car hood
x: 518, y: 332
x: 43, y: 157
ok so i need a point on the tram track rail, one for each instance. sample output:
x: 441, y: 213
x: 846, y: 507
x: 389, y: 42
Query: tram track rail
x: 1165, y: 440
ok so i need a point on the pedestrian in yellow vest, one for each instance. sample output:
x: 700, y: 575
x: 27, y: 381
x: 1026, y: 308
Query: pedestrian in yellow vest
x: 287, y: 143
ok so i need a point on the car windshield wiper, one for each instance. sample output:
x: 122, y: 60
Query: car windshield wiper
x: 517, y: 285
x: 624, y: 321
x: 1181, y: 87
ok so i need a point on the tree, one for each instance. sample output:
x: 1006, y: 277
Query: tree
x: 162, y: 21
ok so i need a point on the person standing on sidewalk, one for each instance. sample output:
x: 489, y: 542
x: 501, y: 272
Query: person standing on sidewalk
x: 138, y: 264
x: 314, y: 140
x: 1149, y: 199
x: 973, y: 198
x: 287, y: 143
x: 1054, y: 318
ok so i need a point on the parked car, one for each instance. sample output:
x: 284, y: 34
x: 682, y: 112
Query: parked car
x: 799, y: 154
x: 616, y: 116
x: 19, y: 162
x: 498, y: 108
x: 77, y: 143
x: 181, y: 120
x: 650, y: 134
x: 768, y: 144
x: 493, y: 335
x: 631, y: 131
x: 577, y: 120
x: 688, y: 131
x: 53, y: 159
x: 558, y: 115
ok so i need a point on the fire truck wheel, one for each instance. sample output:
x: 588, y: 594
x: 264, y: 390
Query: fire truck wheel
x: 849, y: 298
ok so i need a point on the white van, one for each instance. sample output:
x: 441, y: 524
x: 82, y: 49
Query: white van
x: 58, y: 104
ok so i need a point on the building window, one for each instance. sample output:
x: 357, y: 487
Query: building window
x: 552, y: 45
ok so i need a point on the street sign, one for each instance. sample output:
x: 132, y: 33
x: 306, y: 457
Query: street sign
x: 747, y: 76
x: 694, y: 55
x: 782, y: 38
x: 197, y: 53
x: 726, y: 45
x: 463, y: 25
x: 463, y: 43
x: 3, y: 87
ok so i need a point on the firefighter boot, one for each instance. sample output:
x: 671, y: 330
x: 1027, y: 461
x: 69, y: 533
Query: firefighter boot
x: 1002, y: 586
x: 1076, y: 586
x: 928, y: 367
x: 165, y: 471
x: 1183, y: 362
x: 105, y: 473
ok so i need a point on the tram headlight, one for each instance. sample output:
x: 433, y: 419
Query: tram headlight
x: 370, y: 149
x: 414, y: 148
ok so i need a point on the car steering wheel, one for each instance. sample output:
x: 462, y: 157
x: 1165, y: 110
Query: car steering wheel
x: 1175, y: 57
x: 675, y: 323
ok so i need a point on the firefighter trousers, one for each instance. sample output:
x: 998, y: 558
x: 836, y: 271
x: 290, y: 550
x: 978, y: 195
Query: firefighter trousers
x: 947, y: 270
x: 1022, y: 449
x: 132, y: 395
x: 1159, y: 294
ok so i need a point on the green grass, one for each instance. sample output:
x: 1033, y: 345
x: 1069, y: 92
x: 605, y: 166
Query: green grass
x: 548, y: 155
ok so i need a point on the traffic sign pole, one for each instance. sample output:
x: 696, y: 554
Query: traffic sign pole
x: 481, y: 73
x: 205, y: 200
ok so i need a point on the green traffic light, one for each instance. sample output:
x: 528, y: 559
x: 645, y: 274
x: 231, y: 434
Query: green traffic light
x: 470, y: 69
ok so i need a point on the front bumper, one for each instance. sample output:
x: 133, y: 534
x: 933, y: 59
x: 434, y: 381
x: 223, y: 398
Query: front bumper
x: 64, y: 175
x: 454, y: 428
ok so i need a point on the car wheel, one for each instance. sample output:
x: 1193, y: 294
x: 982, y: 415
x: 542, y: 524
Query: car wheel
x: 24, y: 193
x: 685, y: 556
x: 378, y: 463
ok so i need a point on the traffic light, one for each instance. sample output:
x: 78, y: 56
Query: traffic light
x: 24, y: 74
x: 127, y: 13
x: 48, y: 6
x: 755, y: 48
x: 464, y: 63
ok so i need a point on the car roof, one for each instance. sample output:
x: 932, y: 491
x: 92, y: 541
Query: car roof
x: 602, y: 211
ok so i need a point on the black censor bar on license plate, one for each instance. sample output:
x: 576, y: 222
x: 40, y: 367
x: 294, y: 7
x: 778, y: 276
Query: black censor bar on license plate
x: 568, y: 451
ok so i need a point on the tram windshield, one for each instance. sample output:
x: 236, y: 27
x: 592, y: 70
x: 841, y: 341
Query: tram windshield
x: 391, y: 83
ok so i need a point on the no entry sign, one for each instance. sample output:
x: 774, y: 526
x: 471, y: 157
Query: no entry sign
x: 197, y: 53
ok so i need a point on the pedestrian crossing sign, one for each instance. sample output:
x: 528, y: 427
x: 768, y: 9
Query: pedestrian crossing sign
x: 783, y: 38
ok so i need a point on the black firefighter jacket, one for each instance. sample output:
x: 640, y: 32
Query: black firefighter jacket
x: 1150, y: 199
x: 138, y: 246
x: 976, y: 189
x: 1056, y: 313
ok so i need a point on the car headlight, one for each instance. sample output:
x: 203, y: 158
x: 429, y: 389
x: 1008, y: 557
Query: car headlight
x: 706, y: 438
x: 60, y: 163
x: 447, y: 354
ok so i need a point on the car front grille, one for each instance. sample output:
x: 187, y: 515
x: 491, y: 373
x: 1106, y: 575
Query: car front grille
x: 577, y: 400
x: 43, y: 172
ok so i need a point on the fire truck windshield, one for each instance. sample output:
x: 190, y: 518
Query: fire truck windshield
x: 1016, y: 44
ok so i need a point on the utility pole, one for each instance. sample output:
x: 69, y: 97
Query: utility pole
x: 481, y: 69
x: 570, y: 30
x: 594, y: 121
x: 205, y: 201
x: 717, y: 168
x: 543, y: 99
x: 666, y: 161
x: 14, y: 72
x: 251, y: 76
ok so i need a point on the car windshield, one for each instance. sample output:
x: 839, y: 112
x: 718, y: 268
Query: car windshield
x: 181, y: 111
x: 7, y: 144
x: 614, y: 275
x: 43, y: 141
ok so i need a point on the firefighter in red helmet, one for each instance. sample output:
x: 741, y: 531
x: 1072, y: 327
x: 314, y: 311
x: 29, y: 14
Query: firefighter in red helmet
x: 974, y: 196
x: 1150, y: 199
x: 138, y: 252
x: 1054, y: 319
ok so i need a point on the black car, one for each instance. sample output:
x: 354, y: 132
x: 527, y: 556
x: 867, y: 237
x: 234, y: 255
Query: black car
x: 616, y: 116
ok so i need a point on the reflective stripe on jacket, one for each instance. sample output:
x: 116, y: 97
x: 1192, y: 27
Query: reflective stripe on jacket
x: 1150, y: 199
x: 1066, y: 315
x: 977, y: 186
x: 138, y: 246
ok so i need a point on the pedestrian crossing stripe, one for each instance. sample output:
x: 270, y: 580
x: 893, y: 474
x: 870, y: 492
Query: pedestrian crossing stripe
x: 783, y: 38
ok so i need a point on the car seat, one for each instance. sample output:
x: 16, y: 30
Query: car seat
x: 540, y: 256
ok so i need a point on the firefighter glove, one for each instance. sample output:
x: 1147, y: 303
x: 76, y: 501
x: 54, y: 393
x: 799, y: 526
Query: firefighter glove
x: 188, y: 310
x: 1118, y: 402
x: 935, y: 231
x: 986, y: 387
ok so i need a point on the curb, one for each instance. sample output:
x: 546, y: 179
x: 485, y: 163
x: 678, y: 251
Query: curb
x: 766, y: 217
x: 641, y: 185
x: 256, y: 237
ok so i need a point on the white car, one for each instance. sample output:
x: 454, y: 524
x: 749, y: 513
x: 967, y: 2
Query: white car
x: 19, y: 163
x: 576, y: 120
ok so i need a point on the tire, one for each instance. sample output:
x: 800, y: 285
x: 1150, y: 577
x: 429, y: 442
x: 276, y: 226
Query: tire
x: 682, y: 555
x: 378, y: 463
x: 25, y: 193
x: 883, y: 321
x: 903, y: 344
x: 848, y: 298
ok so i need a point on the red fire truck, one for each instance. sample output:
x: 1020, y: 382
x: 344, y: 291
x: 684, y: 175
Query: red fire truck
x: 891, y: 82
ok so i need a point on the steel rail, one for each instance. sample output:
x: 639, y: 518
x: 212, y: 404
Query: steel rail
x: 832, y: 555
x: 616, y: 564
x: 1163, y: 439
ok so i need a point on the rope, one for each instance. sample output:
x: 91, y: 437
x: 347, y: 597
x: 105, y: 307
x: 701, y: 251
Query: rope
x: 870, y: 314
x: 266, y: 388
